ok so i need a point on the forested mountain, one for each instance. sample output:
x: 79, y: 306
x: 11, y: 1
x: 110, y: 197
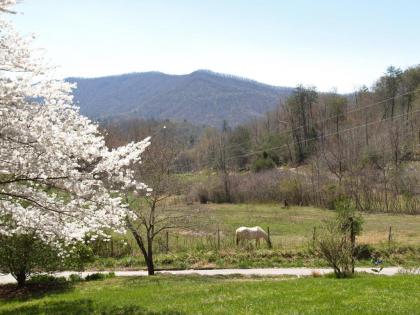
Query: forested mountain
x: 202, y: 97
x: 313, y: 149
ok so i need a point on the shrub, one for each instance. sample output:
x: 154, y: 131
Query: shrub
x: 262, y: 164
x: 256, y: 187
x: 334, y: 247
x: 218, y: 194
x: 46, y: 279
x: 330, y: 193
x: 129, y: 261
x: 202, y: 195
x: 80, y: 254
x: 21, y: 255
x: 336, y: 244
x: 364, y: 251
x: 212, y: 190
x: 74, y: 277
x: 95, y: 276
x: 349, y: 220
x: 291, y: 189
x: 99, y: 276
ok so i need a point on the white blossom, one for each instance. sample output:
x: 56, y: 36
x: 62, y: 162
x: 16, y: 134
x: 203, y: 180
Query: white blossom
x: 55, y: 169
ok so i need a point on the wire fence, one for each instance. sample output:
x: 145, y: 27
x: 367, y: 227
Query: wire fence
x: 224, y: 240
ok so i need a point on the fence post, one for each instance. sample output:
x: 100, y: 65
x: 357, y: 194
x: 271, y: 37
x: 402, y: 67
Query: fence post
x: 268, y: 233
x: 389, y: 236
x: 218, y: 238
x: 353, y: 244
x: 314, y: 236
x: 167, y: 241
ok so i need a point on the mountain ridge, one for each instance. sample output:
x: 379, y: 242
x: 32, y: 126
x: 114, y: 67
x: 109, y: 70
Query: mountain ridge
x: 200, y: 97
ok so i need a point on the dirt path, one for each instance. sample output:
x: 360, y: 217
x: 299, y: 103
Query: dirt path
x: 388, y: 271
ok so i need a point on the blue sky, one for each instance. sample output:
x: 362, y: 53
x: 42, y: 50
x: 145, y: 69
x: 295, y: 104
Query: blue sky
x: 328, y: 44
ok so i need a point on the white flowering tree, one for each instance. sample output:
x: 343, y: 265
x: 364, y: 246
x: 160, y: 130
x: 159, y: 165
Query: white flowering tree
x: 55, y: 169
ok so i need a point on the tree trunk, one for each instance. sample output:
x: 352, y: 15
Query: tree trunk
x: 150, y: 266
x: 147, y: 254
x: 21, y: 278
x: 149, y: 259
x: 226, y: 186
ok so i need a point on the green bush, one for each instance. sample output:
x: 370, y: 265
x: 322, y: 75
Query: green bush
x: 131, y: 261
x: 99, y: 276
x: 364, y: 251
x: 80, y: 254
x: 46, y: 279
x: 262, y: 164
x: 95, y: 276
x: 337, y: 241
x: 23, y: 254
x: 331, y: 195
x: 74, y: 277
x: 166, y: 259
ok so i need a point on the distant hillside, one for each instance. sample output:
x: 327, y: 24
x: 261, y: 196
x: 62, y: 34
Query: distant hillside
x: 202, y: 97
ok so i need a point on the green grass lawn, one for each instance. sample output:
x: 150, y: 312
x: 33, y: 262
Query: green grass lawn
x: 364, y: 294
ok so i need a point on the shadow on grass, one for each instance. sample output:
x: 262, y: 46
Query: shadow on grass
x: 136, y: 310
x: 82, y: 307
x: 61, y: 307
x: 10, y: 292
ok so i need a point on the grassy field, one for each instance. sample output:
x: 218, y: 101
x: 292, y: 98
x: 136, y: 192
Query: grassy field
x: 235, y: 295
x: 293, y: 227
x: 291, y: 233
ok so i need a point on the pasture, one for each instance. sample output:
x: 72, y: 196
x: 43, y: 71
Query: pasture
x: 364, y: 294
x: 292, y: 228
x: 291, y: 231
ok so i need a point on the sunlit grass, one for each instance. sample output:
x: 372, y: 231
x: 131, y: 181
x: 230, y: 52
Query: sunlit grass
x: 224, y: 295
x: 294, y: 226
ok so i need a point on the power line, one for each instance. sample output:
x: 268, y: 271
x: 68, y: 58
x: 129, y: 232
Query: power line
x: 353, y: 110
x: 322, y: 136
x: 382, y: 151
x: 338, y: 115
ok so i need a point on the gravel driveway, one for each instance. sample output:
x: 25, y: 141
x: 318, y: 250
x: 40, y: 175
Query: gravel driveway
x: 388, y: 271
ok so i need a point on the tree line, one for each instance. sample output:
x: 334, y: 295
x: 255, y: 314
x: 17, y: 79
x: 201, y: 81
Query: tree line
x: 363, y: 145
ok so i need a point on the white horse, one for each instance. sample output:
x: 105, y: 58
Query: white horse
x: 252, y: 233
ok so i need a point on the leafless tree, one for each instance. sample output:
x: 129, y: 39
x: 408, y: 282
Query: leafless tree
x: 154, y: 212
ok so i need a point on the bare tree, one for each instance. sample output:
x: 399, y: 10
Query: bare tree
x: 301, y: 121
x: 153, y: 212
x: 222, y: 160
x: 333, y: 148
